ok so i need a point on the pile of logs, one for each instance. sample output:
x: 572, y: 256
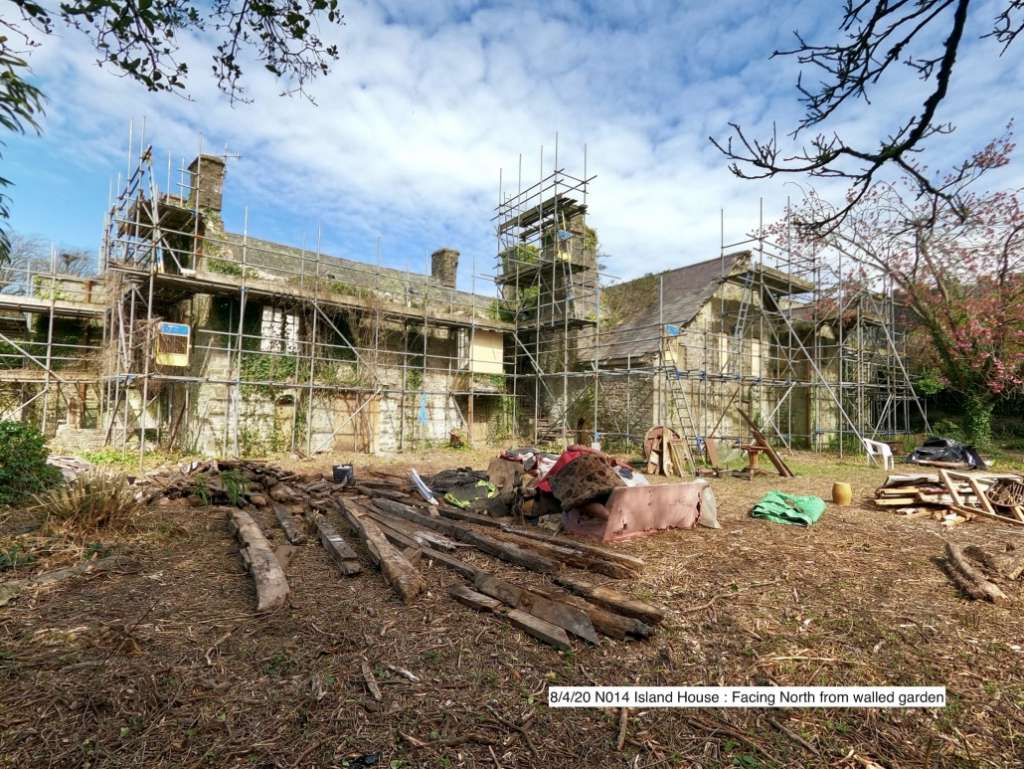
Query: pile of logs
x: 954, y: 498
x: 398, y: 529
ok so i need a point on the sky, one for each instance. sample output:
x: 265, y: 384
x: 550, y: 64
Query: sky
x: 401, y: 149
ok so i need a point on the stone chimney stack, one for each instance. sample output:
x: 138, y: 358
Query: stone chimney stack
x: 444, y: 264
x: 207, y: 181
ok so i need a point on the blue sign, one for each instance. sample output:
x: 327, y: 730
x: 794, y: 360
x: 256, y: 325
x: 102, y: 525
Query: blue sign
x: 174, y: 329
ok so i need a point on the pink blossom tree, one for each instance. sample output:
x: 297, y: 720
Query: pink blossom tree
x: 958, y: 272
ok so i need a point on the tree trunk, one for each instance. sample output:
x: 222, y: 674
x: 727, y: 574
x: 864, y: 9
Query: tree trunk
x: 978, y: 410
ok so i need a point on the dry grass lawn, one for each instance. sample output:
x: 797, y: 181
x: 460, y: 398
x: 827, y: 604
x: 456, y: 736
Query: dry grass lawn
x: 165, y: 664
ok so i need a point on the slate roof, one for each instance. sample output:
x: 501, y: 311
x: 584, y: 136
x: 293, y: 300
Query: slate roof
x: 686, y: 291
x: 271, y: 255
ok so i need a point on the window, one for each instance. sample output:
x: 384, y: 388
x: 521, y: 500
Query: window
x: 279, y: 331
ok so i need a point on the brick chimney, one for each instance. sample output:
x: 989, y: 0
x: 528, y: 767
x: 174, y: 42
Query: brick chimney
x: 207, y: 181
x: 444, y: 264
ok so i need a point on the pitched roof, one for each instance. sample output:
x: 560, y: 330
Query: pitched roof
x: 684, y: 291
x: 347, y: 272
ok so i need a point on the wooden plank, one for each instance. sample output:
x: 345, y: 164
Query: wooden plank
x: 538, y: 628
x: 761, y: 440
x: 421, y: 536
x: 455, y: 564
x: 981, y: 495
x: 566, y: 617
x: 576, y: 558
x: 292, y: 533
x: 894, y: 501
x: 711, y: 449
x: 507, y: 551
x: 606, y: 622
x: 399, y: 573
x: 613, y: 599
x: 256, y: 554
x: 984, y: 514
x: 951, y: 488
x: 554, y: 539
x: 337, y: 548
x: 474, y: 600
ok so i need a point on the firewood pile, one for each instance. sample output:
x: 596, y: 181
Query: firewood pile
x: 399, y: 530
x: 955, y: 498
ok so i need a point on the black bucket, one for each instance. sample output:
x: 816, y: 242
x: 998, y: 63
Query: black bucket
x: 343, y: 474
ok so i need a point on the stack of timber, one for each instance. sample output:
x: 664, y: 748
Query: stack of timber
x: 384, y: 521
x: 955, y: 497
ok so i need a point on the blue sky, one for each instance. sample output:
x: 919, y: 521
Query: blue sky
x: 430, y: 100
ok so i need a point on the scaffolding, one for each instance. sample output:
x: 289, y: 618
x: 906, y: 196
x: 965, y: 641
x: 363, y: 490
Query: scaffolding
x: 320, y: 347
x: 783, y: 333
x: 200, y: 339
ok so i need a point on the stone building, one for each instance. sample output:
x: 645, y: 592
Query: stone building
x: 202, y: 339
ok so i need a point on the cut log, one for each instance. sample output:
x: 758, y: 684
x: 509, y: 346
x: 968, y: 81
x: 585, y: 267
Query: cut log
x: 271, y: 584
x: 969, y: 579
x: 399, y: 573
x: 538, y: 628
x: 337, y: 548
x: 613, y: 599
x: 567, y: 617
x: 507, y: 551
x: 291, y: 532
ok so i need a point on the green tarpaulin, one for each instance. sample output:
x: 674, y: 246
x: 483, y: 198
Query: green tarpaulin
x: 465, y: 496
x: 788, y: 508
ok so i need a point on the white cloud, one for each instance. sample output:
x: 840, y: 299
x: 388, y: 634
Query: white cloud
x: 429, y: 100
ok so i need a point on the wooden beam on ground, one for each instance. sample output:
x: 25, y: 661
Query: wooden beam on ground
x: 422, y: 536
x: 574, y: 557
x: 292, y: 533
x: 613, y: 599
x: 399, y: 573
x: 507, y: 551
x: 564, y: 616
x: 538, y: 628
x: 400, y: 538
x: 554, y: 539
x: 340, y: 551
x: 271, y: 584
x: 606, y: 622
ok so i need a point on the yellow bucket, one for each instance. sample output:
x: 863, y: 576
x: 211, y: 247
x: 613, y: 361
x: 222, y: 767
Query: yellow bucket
x: 842, y: 493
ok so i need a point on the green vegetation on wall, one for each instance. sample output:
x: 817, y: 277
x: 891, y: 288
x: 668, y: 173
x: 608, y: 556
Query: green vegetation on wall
x: 521, y: 255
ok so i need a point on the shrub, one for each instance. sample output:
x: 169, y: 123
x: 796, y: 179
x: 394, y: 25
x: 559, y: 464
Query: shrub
x: 94, y: 501
x: 23, y: 468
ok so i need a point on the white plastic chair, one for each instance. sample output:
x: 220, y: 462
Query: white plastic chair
x: 879, y: 449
